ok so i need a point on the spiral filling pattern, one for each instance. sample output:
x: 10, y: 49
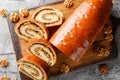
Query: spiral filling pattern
x: 29, y: 30
x: 49, y: 16
x: 43, y: 51
x: 31, y: 70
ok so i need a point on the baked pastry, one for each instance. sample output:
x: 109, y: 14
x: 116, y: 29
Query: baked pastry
x: 79, y: 31
x: 28, y: 29
x: 14, y: 17
x: 33, y: 67
x: 43, y: 49
x: 49, y: 16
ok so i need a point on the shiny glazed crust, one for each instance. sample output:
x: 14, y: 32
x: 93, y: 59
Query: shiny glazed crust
x: 79, y: 31
x: 32, y: 30
x: 41, y: 46
x: 35, y: 63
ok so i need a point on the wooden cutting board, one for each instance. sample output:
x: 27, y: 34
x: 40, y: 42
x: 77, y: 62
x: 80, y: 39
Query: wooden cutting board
x: 90, y: 56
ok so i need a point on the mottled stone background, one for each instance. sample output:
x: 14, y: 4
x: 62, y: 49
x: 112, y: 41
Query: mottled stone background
x: 85, y: 73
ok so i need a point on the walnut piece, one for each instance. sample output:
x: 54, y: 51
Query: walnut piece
x: 102, y: 51
x: 68, y: 3
x: 64, y: 68
x: 109, y: 37
x: 24, y: 12
x: 14, y: 17
x: 3, y: 12
x: 107, y: 30
x: 3, y: 62
x: 4, y: 78
x: 103, y: 68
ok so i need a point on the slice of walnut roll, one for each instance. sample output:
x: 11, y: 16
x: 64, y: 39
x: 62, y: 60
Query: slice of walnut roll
x: 42, y: 49
x: 49, y: 16
x: 28, y: 29
x: 33, y: 67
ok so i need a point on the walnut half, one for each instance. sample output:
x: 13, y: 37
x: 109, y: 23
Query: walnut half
x: 3, y: 62
x: 24, y: 12
x: 14, y: 17
x: 3, y: 12
x: 68, y: 3
x: 64, y: 68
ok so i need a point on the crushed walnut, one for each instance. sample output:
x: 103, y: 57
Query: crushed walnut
x: 107, y: 30
x: 64, y: 68
x: 3, y: 62
x: 4, y: 78
x: 24, y: 12
x: 14, y: 17
x: 109, y: 37
x: 68, y: 3
x: 3, y: 12
x: 102, y: 51
x: 103, y: 68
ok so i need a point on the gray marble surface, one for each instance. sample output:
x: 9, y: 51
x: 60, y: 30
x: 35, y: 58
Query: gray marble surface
x: 86, y: 73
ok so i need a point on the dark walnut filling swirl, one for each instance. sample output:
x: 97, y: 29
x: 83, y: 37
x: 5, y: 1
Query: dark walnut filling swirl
x: 44, y: 52
x: 49, y: 16
x: 31, y: 70
x: 30, y: 30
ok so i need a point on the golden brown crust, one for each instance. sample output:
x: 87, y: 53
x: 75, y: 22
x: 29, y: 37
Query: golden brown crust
x: 79, y: 31
x: 34, y: 44
x: 34, y: 61
x: 48, y: 15
x: 39, y: 26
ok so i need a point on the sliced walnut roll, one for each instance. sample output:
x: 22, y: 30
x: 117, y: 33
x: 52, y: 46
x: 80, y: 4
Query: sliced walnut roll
x: 28, y: 29
x: 43, y: 49
x: 33, y: 67
x: 49, y: 16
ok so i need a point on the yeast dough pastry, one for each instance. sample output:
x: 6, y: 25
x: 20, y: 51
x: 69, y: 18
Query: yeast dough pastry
x: 28, y: 29
x: 33, y: 67
x: 42, y: 49
x: 79, y: 31
x: 49, y: 16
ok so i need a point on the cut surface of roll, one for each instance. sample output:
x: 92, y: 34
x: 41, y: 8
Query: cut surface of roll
x: 29, y: 29
x: 49, y: 16
x: 33, y: 67
x: 43, y: 49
